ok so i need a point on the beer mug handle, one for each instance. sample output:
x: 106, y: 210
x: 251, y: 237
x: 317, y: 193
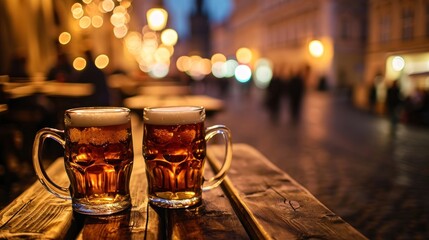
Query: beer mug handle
x: 226, y: 134
x: 46, y: 181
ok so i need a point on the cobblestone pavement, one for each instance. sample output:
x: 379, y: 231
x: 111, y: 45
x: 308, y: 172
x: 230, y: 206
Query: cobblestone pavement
x: 373, y: 176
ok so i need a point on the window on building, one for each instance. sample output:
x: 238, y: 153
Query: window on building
x: 407, y: 24
x: 385, y: 28
x: 344, y: 29
x: 427, y: 19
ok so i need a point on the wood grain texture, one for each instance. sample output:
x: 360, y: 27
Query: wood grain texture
x: 37, y: 213
x: 270, y: 200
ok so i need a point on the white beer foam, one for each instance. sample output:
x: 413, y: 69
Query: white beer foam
x: 173, y: 115
x: 97, y: 117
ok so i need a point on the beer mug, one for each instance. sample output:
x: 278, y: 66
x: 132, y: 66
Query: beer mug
x: 174, y: 149
x: 98, y: 159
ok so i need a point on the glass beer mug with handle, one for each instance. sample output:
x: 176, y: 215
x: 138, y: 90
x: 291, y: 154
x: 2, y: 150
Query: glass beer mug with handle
x: 174, y: 149
x: 98, y: 158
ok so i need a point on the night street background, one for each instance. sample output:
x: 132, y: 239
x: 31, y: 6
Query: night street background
x: 350, y: 159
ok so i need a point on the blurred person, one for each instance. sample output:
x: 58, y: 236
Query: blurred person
x: 273, y: 97
x: 26, y: 114
x: 393, y: 102
x: 18, y: 69
x: 62, y: 71
x: 296, y: 91
x: 92, y: 74
x: 322, y: 85
x: 372, y: 97
x: 373, y: 92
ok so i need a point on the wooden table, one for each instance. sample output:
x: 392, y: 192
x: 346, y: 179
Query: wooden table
x: 3, y: 108
x: 48, y: 88
x: 256, y: 201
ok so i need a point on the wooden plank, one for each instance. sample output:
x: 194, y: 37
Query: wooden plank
x: 37, y: 213
x: 213, y: 219
x: 272, y: 205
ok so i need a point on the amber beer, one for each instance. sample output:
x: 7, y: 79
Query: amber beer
x: 98, y: 155
x: 174, y: 149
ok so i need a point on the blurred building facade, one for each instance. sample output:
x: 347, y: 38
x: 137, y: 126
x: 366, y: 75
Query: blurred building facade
x: 282, y: 31
x: 200, y: 39
x: 32, y: 30
x: 398, y: 29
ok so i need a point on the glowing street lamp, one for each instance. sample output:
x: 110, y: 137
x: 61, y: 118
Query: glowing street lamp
x: 316, y: 48
x: 157, y: 18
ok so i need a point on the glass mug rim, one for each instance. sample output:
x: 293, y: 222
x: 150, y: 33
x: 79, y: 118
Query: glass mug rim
x: 198, y: 114
x: 96, y: 116
x: 107, y: 109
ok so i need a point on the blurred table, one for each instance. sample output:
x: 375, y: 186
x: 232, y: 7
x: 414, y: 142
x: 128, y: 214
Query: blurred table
x: 256, y: 201
x: 3, y: 108
x: 48, y: 88
x: 141, y: 101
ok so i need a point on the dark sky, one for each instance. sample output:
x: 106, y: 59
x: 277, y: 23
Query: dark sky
x: 179, y: 11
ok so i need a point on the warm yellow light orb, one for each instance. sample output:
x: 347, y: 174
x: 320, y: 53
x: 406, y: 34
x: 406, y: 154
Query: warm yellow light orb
x: 169, y: 37
x: 79, y: 63
x: 77, y: 10
x: 101, y: 61
x: 121, y: 31
x: 85, y: 22
x: 157, y: 18
x: 107, y: 5
x: 97, y: 21
x: 183, y: 63
x: 316, y: 48
x: 218, y: 57
x: 244, y: 55
x: 162, y: 55
x: 398, y: 63
x: 64, y: 38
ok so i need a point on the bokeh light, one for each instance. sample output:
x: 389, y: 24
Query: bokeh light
x: 243, y: 73
x: 120, y: 32
x: 157, y: 18
x: 79, y: 63
x: 162, y: 55
x: 77, y: 10
x: 64, y: 38
x: 97, y: 21
x: 398, y: 63
x: 229, y: 68
x: 263, y: 73
x: 101, y: 61
x: 183, y: 63
x: 118, y: 19
x: 107, y: 5
x: 244, y: 55
x: 316, y: 48
x: 218, y: 69
x: 85, y: 22
x: 159, y: 70
x: 218, y: 57
x: 169, y: 37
